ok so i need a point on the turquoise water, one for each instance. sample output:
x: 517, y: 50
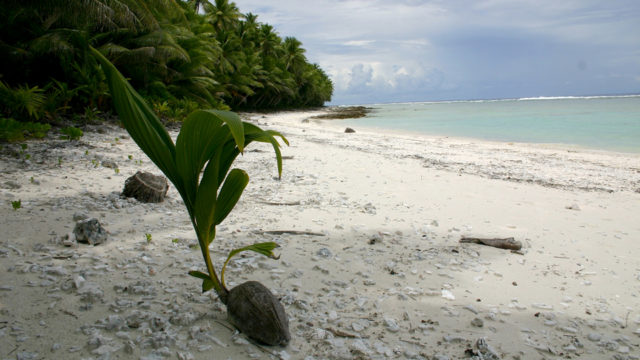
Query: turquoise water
x: 606, y: 123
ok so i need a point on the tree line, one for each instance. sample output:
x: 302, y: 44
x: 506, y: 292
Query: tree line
x: 180, y: 55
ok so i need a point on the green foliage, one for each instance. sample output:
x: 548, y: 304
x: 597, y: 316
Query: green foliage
x: 148, y: 237
x: 265, y: 249
x: 209, y: 140
x: 11, y: 130
x: 16, y: 204
x: 218, y: 58
x: 91, y: 114
x: 22, y: 101
x: 71, y: 133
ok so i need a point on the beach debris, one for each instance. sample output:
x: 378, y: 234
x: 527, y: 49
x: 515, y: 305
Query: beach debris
x: 485, y: 351
x: 69, y: 239
x: 349, y: 130
x: 574, y: 207
x: 10, y: 184
x: 109, y: 164
x: 504, y: 243
x: 254, y: 310
x: 325, y: 253
x: 90, y: 231
x: 80, y: 215
x: 289, y: 232
x: 448, y: 294
x: 146, y: 187
x: 375, y: 238
x: 275, y: 203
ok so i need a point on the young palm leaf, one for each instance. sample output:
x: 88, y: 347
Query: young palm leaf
x: 209, y: 140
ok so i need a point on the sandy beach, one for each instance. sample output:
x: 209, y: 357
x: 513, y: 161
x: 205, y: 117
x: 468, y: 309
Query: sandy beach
x: 381, y: 275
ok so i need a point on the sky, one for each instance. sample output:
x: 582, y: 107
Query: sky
x: 430, y: 50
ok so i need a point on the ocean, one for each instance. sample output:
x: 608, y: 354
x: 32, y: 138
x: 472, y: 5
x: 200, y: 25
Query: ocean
x: 595, y: 122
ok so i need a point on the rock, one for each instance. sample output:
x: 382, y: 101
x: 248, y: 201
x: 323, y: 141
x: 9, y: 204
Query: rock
x: 573, y: 207
x: 477, y: 322
x: 349, y: 130
x: 91, y: 292
x: 109, y: 164
x: 146, y: 187
x: 254, y: 310
x: 79, y: 215
x: 69, y: 239
x: 448, y: 295
x: 12, y: 185
x: 325, y: 253
x: 90, y: 231
x: 391, y: 325
x: 595, y: 337
x: 374, y: 239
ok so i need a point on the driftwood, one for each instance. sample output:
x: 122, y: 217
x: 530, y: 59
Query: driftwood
x: 293, y: 203
x: 506, y: 243
x: 291, y: 232
x: 146, y: 187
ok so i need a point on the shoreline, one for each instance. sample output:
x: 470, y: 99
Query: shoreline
x: 388, y: 278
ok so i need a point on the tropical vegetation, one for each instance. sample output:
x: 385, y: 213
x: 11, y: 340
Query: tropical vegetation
x: 180, y: 55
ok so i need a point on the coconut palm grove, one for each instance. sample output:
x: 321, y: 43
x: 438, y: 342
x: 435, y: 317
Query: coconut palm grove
x: 180, y: 55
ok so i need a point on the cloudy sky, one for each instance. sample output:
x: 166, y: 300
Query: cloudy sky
x: 424, y: 50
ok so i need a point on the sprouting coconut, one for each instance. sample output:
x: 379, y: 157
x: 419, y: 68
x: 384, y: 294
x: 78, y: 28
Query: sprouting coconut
x: 199, y: 166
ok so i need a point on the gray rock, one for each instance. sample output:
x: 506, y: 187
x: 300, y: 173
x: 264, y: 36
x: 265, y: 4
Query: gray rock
x: 349, y: 130
x: 391, y: 325
x: 477, y: 322
x: 12, y: 185
x: 325, y: 253
x: 109, y: 164
x: 90, y: 231
x: 595, y: 337
x: 79, y: 215
x: 69, y: 239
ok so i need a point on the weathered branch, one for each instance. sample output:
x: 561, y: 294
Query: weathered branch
x: 290, y: 232
x: 506, y: 243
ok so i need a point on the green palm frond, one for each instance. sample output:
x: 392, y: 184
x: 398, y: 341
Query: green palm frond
x: 209, y: 140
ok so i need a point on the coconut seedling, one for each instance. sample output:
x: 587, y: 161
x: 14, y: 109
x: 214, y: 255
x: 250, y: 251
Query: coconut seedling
x: 199, y: 166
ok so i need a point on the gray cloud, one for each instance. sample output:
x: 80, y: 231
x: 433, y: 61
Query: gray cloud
x: 411, y: 50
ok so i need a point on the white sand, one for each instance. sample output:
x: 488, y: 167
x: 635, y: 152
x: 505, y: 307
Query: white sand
x: 411, y: 292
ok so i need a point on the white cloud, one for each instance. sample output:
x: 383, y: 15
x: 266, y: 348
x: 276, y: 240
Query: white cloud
x: 459, y: 48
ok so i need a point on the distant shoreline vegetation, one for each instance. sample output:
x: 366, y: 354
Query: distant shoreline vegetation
x: 180, y: 55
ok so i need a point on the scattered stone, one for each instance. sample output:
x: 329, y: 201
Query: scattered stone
x: 595, y: 337
x: 349, y: 130
x: 448, y: 295
x: 477, y: 322
x: 90, y: 231
x: 79, y: 215
x: 10, y: 184
x: 69, y: 240
x: 391, y: 325
x: 574, y: 207
x: 109, y: 164
x: 325, y: 253
x: 91, y: 292
x: 146, y: 187
x: 374, y: 239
